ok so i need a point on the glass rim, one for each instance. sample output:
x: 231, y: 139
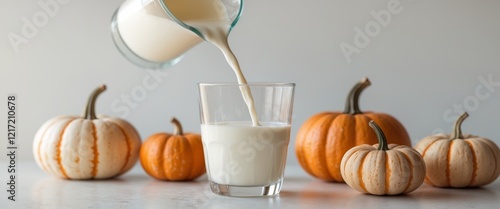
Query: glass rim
x: 269, y: 84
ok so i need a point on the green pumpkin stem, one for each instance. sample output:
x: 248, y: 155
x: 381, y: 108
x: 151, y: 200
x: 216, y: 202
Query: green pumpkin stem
x: 177, y: 126
x: 352, y: 102
x: 90, y: 108
x: 457, y: 127
x: 382, y: 141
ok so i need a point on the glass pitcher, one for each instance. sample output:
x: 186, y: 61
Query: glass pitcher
x: 155, y: 34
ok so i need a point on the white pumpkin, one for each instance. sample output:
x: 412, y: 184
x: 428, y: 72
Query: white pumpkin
x: 86, y: 147
x: 459, y: 160
x: 383, y: 169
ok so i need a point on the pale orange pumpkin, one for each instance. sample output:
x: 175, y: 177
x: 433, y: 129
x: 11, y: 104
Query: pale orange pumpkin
x: 324, y: 138
x: 87, y: 147
x: 459, y: 160
x: 173, y: 157
x: 383, y: 169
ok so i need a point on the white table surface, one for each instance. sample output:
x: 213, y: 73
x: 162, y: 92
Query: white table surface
x: 136, y: 189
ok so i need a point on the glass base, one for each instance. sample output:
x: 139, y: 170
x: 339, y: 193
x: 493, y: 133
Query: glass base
x: 246, y: 191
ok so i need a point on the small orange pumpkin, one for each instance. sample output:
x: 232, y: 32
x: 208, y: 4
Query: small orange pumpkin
x: 459, y: 160
x: 173, y: 157
x: 324, y: 138
x: 383, y: 169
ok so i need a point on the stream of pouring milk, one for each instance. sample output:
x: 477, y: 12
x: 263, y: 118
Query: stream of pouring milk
x: 217, y: 35
x: 237, y: 153
x: 211, y: 19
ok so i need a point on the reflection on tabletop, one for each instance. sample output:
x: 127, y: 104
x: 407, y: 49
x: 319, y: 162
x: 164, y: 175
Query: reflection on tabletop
x: 136, y: 189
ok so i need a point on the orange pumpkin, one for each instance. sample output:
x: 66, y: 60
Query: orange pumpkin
x: 173, y: 157
x: 324, y: 138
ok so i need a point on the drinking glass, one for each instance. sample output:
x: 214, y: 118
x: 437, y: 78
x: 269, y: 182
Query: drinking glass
x: 244, y: 159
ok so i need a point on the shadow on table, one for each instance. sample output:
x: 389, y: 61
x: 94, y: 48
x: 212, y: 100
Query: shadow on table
x: 320, y: 194
x: 62, y: 193
x: 427, y: 192
x: 127, y: 190
x: 315, y: 193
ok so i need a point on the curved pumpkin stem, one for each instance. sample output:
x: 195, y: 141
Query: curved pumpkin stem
x: 382, y: 141
x: 457, y: 127
x: 177, y: 126
x: 90, y: 108
x: 352, y: 102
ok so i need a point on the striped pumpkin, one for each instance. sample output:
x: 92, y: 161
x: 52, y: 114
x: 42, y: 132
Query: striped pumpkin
x: 459, y: 160
x: 324, y: 138
x: 86, y: 147
x: 383, y: 169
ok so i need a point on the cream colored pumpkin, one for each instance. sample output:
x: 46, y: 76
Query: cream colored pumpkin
x: 459, y: 160
x: 383, y: 169
x: 86, y: 147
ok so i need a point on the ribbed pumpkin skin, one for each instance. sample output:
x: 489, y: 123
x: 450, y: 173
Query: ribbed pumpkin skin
x: 468, y: 162
x: 173, y: 157
x: 324, y: 138
x: 369, y: 170
x: 72, y: 147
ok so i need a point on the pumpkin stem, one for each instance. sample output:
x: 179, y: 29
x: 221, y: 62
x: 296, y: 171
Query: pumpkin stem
x: 177, y: 126
x: 382, y: 141
x: 457, y: 127
x: 352, y: 102
x: 90, y: 108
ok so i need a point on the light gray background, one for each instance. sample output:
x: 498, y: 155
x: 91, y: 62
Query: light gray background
x: 429, y: 58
